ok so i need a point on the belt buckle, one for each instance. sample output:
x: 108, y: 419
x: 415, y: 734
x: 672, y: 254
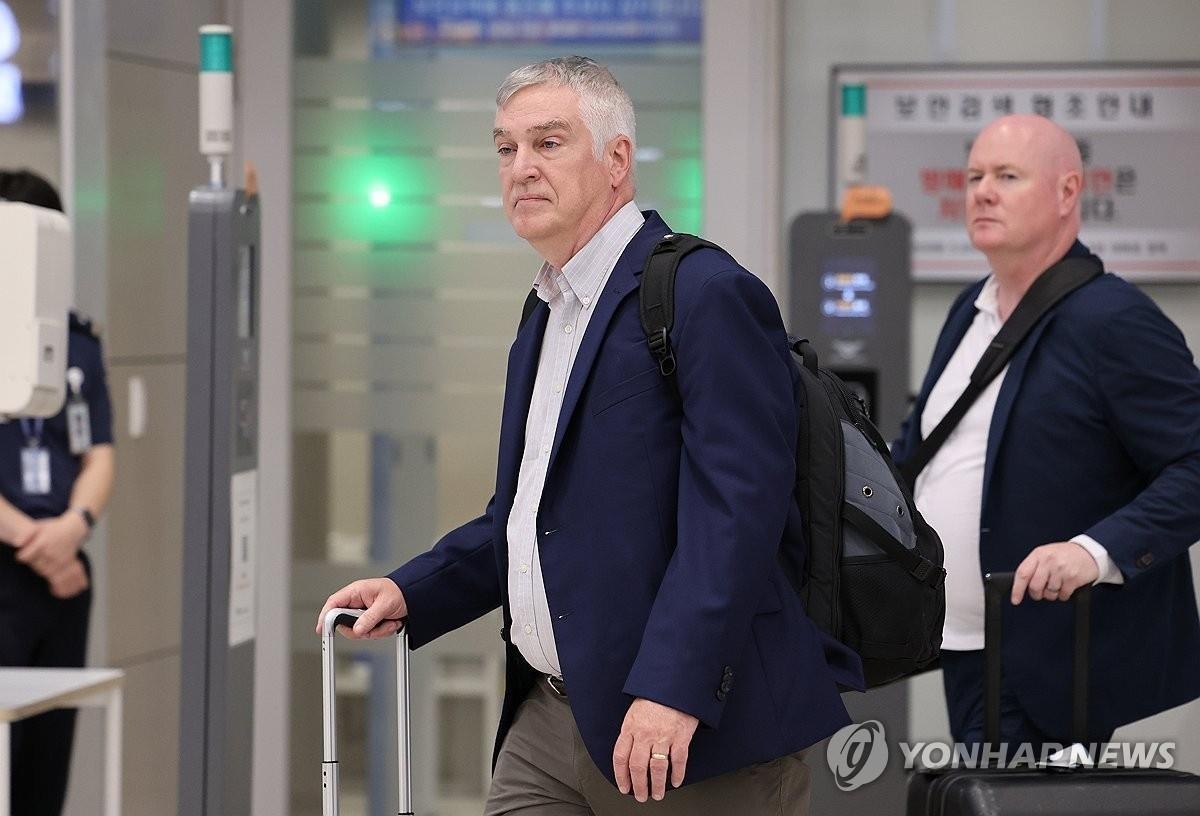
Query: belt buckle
x: 556, y: 685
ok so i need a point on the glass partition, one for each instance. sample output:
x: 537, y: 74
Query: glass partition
x: 408, y: 285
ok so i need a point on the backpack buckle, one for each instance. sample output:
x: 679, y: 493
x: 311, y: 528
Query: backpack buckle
x: 660, y: 347
x: 667, y: 365
x: 929, y: 573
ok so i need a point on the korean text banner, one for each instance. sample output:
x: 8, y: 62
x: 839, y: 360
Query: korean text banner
x: 1138, y: 128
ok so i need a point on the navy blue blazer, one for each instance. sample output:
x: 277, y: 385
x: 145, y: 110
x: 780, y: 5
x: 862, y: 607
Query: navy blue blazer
x: 1096, y: 430
x: 658, y: 527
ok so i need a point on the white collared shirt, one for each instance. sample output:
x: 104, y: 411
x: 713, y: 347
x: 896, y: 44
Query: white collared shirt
x: 572, y: 294
x: 949, y: 491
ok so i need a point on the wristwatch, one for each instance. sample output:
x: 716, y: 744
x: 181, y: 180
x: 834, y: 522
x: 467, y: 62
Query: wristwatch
x: 88, y: 518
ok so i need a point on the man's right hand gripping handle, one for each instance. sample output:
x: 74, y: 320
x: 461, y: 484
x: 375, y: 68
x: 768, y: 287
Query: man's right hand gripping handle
x: 382, y: 601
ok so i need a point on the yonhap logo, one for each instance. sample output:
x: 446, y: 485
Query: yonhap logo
x: 857, y: 754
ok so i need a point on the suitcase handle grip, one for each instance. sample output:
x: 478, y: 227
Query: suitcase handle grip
x: 340, y: 617
x: 329, y: 761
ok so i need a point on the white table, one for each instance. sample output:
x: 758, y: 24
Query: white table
x: 26, y: 692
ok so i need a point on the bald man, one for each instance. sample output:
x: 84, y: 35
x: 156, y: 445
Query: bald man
x: 1079, y: 464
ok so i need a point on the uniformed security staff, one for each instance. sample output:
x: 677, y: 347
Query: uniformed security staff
x: 56, y: 475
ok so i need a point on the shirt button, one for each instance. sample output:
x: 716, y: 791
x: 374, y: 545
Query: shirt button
x: 557, y: 389
x: 524, y: 568
x: 568, y: 328
x: 528, y: 629
x: 545, y: 448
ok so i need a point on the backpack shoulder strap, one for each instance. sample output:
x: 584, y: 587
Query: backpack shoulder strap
x: 531, y: 302
x: 658, y: 293
x: 1050, y: 287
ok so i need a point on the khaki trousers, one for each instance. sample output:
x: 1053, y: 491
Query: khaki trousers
x: 544, y: 770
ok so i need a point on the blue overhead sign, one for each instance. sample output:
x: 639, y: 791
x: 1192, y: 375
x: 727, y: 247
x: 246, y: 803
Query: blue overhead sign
x: 535, y: 21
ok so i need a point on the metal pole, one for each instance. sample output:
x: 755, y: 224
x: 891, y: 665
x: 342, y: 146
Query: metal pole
x: 403, y: 746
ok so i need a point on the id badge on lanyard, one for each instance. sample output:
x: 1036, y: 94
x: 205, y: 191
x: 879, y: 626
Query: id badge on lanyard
x: 35, y: 460
x: 79, y: 420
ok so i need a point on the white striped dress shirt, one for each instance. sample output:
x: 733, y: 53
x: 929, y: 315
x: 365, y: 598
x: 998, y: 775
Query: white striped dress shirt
x: 572, y: 293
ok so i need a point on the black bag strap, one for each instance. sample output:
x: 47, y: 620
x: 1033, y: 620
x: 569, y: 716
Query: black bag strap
x: 802, y: 348
x: 997, y: 587
x: 916, y: 565
x: 1050, y: 287
x: 658, y: 293
x: 531, y: 302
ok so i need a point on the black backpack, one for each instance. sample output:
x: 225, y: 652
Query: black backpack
x: 866, y: 564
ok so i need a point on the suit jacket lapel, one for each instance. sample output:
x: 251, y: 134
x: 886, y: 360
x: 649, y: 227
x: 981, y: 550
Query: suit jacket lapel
x: 956, y: 327
x: 1007, y: 397
x: 625, y: 278
x: 518, y: 391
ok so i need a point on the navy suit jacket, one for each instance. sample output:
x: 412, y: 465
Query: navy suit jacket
x: 1096, y: 431
x: 658, y: 527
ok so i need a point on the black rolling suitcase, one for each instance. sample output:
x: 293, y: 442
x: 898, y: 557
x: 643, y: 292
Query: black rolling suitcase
x: 1054, y: 791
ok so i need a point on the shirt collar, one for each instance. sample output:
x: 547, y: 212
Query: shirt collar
x: 587, y: 269
x: 988, y: 299
x: 546, y: 282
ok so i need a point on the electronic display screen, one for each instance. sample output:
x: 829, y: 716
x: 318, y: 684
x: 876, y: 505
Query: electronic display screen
x: 848, y: 287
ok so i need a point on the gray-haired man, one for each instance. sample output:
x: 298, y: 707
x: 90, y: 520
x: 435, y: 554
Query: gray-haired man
x: 632, y: 539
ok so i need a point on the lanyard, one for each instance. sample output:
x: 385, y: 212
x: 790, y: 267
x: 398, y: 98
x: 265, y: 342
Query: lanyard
x: 33, y: 431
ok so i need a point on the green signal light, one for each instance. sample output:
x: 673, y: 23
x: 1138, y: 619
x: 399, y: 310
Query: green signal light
x: 380, y: 197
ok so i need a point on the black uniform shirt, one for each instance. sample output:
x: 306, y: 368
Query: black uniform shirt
x: 84, y: 353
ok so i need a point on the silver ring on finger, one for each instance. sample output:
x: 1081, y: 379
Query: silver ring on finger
x: 660, y: 757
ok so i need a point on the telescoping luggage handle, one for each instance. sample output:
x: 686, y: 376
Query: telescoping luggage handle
x: 329, y: 761
x: 998, y: 587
